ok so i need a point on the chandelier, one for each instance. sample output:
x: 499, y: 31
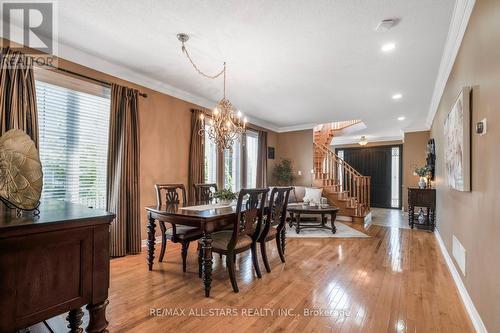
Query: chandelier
x: 363, y: 141
x: 226, y: 124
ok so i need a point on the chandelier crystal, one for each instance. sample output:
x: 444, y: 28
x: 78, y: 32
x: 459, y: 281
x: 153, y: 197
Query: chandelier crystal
x: 226, y: 123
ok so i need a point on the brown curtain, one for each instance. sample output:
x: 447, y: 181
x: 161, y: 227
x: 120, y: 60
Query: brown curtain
x: 123, y: 171
x: 262, y: 160
x: 17, y: 94
x: 196, y: 154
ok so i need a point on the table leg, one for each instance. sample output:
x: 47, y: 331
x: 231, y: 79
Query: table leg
x: 333, y: 217
x: 410, y: 215
x: 432, y: 217
x: 97, y: 317
x: 297, y: 228
x: 322, y: 220
x: 151, y: 241
x: 207, y: 263
x: 74, y: 319
x: 290, y: 223
x: 283, y: 243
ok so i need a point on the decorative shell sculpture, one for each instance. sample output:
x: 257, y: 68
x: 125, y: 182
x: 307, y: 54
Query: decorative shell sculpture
x: 21, y: 177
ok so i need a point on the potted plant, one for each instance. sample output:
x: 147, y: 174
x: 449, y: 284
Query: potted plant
x: 422, y: 172
x: 282, y: 173
x: 225, y: 196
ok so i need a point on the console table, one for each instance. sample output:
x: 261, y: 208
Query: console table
x: 54, y: 263
x: 423, y: 198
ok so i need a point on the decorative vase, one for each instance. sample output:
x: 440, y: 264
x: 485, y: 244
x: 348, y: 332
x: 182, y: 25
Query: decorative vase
x: 422, y: 183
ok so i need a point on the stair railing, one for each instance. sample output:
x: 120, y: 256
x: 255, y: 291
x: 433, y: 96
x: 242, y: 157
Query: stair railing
x: 335, y: 171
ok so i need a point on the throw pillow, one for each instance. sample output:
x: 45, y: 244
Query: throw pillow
x: 313, y: 194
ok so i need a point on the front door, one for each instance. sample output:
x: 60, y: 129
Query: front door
x: 383, y: 165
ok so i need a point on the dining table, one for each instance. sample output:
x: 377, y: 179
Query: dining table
x: 208, y: 216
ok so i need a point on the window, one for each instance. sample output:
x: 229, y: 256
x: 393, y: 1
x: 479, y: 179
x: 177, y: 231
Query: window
x: 232, y: 167
x: 210, y: 159
x: 73, y: 130
x: 395, y: 202
x: 236, y: 167
x: 252, y: 145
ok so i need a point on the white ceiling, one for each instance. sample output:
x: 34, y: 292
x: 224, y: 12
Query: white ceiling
x: 291, y: 63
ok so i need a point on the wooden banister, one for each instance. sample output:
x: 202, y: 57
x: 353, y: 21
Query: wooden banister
x: 333, y: 171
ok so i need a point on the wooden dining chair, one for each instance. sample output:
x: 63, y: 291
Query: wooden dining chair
x: 204, y: 192
x: 274, y: 223
x: 178, y: 233
x: 244, y: 234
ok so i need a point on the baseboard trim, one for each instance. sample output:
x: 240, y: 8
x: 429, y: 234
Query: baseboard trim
x: 469, y: 305
x: 144, y: 242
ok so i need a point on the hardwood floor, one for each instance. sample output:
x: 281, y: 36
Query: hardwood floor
x: 394, y: 281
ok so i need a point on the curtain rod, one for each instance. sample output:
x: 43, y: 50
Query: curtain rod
x: 89, y: 78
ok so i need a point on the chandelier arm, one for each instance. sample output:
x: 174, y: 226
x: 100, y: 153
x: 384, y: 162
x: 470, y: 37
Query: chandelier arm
x: 223, y: 71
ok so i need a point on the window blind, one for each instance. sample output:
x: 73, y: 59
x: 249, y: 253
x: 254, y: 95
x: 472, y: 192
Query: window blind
x: 73, y: 140
x: 210, y: 159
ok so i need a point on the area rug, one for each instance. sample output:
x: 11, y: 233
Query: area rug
x: 343, y: 231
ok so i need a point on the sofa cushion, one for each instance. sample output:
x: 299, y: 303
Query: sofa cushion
x: 313, y: 194
x: 297, y: 194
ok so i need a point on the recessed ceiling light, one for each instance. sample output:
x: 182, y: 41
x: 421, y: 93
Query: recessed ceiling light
x: 397, y: 96
x: 388, y: 47
x: 401, y: 118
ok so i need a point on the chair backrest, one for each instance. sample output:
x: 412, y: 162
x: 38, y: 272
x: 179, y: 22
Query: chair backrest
x: 204, y: 192
x: 249, y: 213
x: 276, y: 214
x: 171, y: 193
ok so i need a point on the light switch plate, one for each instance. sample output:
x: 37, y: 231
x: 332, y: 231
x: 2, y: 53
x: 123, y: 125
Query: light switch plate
x: 481, y: 127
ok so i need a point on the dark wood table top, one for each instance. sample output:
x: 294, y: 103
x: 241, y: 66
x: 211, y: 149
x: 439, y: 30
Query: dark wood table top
x: 300, y: 208
x: 176, y: 210
x: 52, y: 212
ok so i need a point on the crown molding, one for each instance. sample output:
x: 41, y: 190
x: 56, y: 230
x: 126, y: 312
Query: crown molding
x: 459, y: 20
x: 262, y: 123
x: 339, y: 141
x: 301, y: 127
x: 413, y: 129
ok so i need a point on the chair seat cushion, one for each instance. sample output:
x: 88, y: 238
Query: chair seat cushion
x: 184, y: 232
x: 221, y: 240
x: 272, y: 233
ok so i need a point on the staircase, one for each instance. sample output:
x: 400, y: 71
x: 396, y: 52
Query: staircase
x: 342, y: 185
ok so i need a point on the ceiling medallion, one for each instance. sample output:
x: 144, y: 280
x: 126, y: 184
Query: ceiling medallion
x: 226, y: 124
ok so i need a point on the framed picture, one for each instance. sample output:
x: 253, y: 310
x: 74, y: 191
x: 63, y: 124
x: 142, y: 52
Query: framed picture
x: 457, y: 143
x: 270, y: 153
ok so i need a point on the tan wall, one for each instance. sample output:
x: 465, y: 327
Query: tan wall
x: 272, y: 141
x: 473, y: 217
x: 296, y: 146
x: 414, y: 155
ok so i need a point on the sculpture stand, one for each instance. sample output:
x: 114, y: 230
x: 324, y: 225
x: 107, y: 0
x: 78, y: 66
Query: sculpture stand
x: 19, y: 211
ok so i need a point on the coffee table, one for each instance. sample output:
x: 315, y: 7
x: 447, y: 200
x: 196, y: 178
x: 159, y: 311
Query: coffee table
x: 322, y: 211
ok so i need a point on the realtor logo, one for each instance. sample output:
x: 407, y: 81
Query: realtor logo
x: 31, y: 24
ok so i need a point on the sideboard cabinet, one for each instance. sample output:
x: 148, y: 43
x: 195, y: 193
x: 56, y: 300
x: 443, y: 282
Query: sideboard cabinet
x: 54, y: 263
